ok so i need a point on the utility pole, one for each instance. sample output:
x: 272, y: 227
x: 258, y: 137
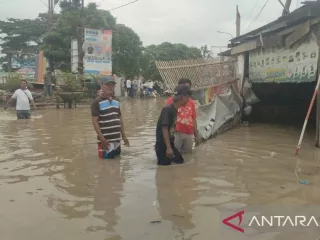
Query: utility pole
x: 286, y: 7
x: 50, y: 24
x: 50, y: 14
x: 238, y: 23
x: 80, y: 40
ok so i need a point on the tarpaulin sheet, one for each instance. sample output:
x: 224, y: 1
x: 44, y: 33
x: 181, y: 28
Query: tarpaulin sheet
x: 212, y: 116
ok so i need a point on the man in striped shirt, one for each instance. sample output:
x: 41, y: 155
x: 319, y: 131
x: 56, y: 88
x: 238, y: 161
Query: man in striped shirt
x: 107, y: 120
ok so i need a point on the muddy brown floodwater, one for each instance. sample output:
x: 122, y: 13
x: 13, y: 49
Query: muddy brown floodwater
x: 53, y: 186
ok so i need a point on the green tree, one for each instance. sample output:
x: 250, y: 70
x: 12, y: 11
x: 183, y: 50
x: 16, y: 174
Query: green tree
x: 165, y: 52
x: 127, y: 51
x: 205, y: 52
x: 21, y: 37
x: 56, y: 43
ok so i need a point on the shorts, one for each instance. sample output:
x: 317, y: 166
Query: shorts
x: 110, y: 155
x: 164, y: 160
x: 47, y: 90
x: 23, y: 114
x: 183, y: 142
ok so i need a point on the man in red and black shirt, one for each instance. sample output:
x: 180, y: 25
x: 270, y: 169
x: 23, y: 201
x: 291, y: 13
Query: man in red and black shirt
x: 186, y: 124
x: 164, y: 147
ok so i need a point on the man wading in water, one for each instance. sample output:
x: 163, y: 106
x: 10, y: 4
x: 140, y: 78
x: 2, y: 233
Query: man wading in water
x: 186, y: 126
x: 107, y: 120
x: 23, y: 96
x: 165, y: 149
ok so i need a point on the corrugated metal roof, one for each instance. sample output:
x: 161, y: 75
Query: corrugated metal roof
x: 305, y: 12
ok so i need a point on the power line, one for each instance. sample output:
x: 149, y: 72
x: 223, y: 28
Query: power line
x: 249, y: 15
x: 4, y: 1
x: 44, y: 3
x: 123, y: 5
x: 257, y: 16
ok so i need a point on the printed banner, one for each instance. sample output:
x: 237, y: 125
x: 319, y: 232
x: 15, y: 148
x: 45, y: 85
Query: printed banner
x: 97, y: 51
x: 285, y: 65
x: 207, y: 95
x: 212, y: 116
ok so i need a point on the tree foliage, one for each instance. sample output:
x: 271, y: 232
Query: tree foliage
x: 21, y: 36
x: 127, y: 51
x: 205, y: 52
x: 130, y: 58
x: 166, y: 52
x: 57, y: 42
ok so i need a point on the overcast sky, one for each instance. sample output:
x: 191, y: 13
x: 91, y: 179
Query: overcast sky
x: 192, y: 22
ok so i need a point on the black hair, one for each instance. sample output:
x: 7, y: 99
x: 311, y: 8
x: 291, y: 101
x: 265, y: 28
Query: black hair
x: 23, y: 80
x: 185, y: 81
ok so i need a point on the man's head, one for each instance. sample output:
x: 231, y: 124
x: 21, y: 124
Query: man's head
x: 181, y: 95
x: 185, y: 81
x: 107, y: 84
x: 23, y: 84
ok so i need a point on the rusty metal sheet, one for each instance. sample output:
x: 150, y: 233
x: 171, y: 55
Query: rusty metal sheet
x: 244, y: 47
x: 300, y: 32
x: 272, y: 41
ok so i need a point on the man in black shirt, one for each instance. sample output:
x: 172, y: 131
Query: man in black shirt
x: 165, y: 150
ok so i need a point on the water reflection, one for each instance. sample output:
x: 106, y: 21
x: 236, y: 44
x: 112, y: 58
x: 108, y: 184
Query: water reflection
x: 52, y: 179
x: 176, y: 190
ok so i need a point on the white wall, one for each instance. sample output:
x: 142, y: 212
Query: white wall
x: 240, y: 69
x: 117, y: 89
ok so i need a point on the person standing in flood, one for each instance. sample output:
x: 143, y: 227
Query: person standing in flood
x: 164, y: 147
x: 134, y: 86
x: 107, y: 120
x: 47, y: 84
x: 129, y: 85
x: 186, y: 125
x: 23, y: 97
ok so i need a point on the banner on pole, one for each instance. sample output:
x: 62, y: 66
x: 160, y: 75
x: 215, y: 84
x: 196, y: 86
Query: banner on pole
x: 97, y: 51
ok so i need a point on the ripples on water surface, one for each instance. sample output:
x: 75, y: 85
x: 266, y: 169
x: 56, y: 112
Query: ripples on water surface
x: 53, y: 186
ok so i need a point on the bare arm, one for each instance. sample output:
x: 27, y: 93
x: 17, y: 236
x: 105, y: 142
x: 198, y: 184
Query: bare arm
x: 166, y: 137
x: 34, y: 105
x: 95, y: 123
x: 195, y: 127
x: 9, y: 102
x: 123, y: 134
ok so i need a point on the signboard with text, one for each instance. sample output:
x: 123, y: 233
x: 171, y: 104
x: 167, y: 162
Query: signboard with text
x: 285, y: 65
x: 97, y: 51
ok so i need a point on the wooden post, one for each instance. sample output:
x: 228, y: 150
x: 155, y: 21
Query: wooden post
x: 315, y: 35
x: 318, y: 121
x: 238, y: 22
x: 80, y: 40
x: 286, y: 8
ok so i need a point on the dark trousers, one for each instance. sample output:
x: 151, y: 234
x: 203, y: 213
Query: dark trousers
x: 114, y: 153
x: 23, y: 114
x: 162, y: 157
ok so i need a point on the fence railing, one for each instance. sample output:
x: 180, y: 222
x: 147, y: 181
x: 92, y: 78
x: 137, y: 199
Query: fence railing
x: 203, y: 73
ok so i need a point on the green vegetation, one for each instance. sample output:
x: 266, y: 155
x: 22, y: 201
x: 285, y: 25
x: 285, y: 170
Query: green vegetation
x: 130, y: 58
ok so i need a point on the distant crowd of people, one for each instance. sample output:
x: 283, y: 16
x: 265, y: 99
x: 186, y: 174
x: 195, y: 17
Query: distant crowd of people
x: 138, y: 87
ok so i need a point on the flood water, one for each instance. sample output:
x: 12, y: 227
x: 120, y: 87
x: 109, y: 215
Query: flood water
x: 53, y: 186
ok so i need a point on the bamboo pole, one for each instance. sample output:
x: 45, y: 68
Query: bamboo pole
x: 307, y: 117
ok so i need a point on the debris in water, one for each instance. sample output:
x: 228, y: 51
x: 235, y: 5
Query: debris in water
x: 180, y: 216
x: 273, y: 154
x: 305, y: 182
x: 155, y: 221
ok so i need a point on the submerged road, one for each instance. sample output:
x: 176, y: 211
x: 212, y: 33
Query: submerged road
x: 53, y: 186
